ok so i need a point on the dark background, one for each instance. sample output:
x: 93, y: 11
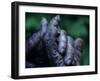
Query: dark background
x: 75, y: 25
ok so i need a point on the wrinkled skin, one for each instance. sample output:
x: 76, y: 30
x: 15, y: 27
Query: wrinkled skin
x: 51, y: 46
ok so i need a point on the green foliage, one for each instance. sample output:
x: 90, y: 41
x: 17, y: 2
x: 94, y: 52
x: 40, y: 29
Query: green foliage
x: 75, y: 26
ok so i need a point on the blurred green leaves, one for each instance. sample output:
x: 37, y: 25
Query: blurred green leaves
x: 75, y: 25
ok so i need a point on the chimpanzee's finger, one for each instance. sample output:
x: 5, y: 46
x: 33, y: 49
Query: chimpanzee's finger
x: 53, y: 26
x: 54, y: 21
x: 62, y: 42
x: 69, y: 55
x: 57, y: 17
x: 43, y: 26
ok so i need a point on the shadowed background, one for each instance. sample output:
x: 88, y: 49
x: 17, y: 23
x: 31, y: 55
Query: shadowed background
x: 75, y: 25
